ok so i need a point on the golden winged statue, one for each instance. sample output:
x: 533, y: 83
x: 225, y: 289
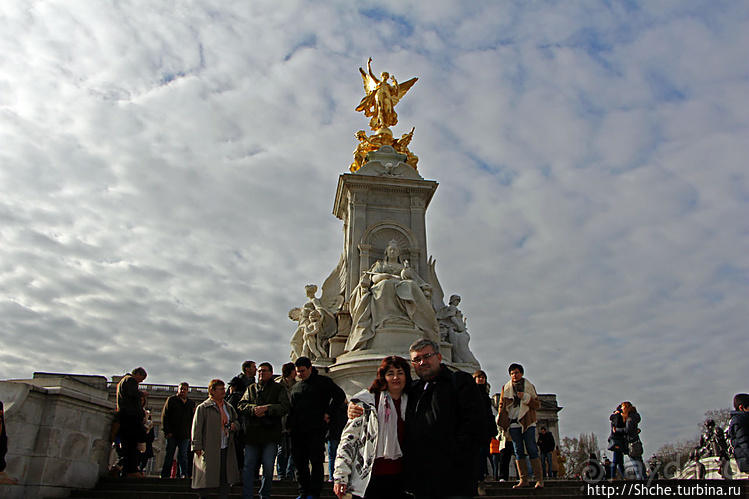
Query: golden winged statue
x: 381, y: 98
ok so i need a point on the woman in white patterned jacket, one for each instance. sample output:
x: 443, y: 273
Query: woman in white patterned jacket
x: 369, y: 462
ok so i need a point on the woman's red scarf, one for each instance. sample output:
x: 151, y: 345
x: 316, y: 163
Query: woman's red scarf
x: 224, y: 418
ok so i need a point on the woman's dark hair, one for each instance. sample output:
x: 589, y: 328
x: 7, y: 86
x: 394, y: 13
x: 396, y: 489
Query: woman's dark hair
x: 515, y: 366
x: 486, y: 386
x: 627, y: 409
x: 287, y: 368
x: 380, y: 383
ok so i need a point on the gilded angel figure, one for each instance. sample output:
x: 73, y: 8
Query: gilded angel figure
x: 381, y: 98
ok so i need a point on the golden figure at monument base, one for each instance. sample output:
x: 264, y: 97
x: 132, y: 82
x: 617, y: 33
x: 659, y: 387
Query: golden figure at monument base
x: 384, y: 138
x: 379, y: 104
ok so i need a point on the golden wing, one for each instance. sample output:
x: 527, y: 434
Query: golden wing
x: 370, y: 84
x: 403, y: 88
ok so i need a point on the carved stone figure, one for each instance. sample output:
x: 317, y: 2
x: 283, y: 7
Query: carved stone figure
x: 315, y: 341
x: 326, y: 308
x: 452, y: 321
x: 301, y: 316
x: 381, y: 98
x: 390, y: 293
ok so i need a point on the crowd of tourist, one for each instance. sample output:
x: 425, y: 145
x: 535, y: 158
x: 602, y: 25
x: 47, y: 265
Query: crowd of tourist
x: 430, y: 437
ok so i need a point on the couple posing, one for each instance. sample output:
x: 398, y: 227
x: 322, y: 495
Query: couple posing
x: 418, y: 436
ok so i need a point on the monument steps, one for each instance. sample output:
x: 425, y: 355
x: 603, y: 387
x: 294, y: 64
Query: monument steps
x: 156, y: 488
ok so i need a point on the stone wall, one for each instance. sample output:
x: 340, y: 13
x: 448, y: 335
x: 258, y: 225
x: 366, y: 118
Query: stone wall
x: 58, y: 434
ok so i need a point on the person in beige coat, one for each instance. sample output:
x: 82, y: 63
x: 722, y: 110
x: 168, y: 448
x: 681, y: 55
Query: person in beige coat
x: 518, y: 404
x: 213, y: 427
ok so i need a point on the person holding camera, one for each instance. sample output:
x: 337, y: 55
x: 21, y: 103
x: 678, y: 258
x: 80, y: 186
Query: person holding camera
x: 518, y: 403
x: 215, y: 463
x: 262, y: 405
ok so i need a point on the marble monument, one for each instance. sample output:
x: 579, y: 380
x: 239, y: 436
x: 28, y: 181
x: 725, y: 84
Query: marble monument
x: 384, y: 293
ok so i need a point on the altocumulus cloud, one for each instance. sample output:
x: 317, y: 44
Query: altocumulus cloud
x: 168, y: 171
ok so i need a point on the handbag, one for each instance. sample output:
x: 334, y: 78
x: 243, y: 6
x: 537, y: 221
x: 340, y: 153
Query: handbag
x: 635, y: 448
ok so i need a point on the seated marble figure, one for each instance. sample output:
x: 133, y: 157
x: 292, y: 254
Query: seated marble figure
x: 390, y: 291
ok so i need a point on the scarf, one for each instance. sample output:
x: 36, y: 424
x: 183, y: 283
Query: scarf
x: 508, y: 392
x: 517, y: 386
x: 224, y: 418
x: 387, y: 418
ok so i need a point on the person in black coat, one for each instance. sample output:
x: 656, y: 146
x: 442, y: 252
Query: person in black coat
x: 631, y: 424
x: 313, y: 399
x: 446, y: 424
x: 618, y: 441
x: 738, y: 431
x: 546, y: 445
x: 131, y: 413
x: 491, y: 430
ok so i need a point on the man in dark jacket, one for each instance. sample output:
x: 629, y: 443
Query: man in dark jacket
x: 130, y: 414
x: 445, y: 425
x: 263, y: 405
x: 313, y: 399
x: 249, y: 369
x: 546, y: 444
x: 176, y: 422
x: 738, y: 431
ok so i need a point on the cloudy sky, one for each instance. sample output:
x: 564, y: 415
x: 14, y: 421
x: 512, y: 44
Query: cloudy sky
x: 168, y: 171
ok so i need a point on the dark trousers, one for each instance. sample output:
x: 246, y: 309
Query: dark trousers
x: 182, y: 446
x: 308, y: 451
x: 546, y: 464
x: 386, y: 487
x: 482, y: 458
x: 284, y: 462
x: 505, y: 456
x: 495, y: 466
x: 131, y: 432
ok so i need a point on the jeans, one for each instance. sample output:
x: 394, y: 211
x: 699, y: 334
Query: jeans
x: 639, y: 467
x: 524, y: 441
x: 495, y: 466
x: 264, y: 454
x: 183, y: 447
x: 332, y: 449
x: 546, y: 464
x: 617, y: 462
x: 284, y: 463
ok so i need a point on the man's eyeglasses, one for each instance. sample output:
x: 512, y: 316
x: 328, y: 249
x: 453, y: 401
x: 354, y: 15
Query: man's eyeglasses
x: 419, y: 360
